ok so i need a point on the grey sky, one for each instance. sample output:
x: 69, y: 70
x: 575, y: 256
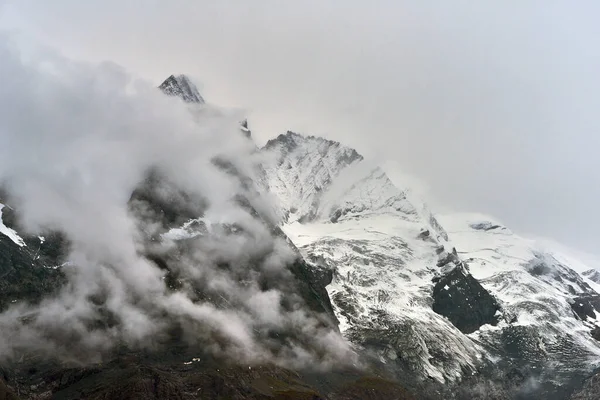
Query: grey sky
x: 494, y: 106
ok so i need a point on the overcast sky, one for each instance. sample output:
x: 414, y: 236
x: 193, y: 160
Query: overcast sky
x: 495, y: 107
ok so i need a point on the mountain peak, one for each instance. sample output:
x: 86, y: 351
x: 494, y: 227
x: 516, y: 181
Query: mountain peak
x: 291, y: 140
x: 182, y: 87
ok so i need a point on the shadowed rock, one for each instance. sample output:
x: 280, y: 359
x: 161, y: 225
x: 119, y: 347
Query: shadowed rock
x: 182, y: 87
x: 461, y: 298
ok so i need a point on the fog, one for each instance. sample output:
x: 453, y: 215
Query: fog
x: 76, y: 139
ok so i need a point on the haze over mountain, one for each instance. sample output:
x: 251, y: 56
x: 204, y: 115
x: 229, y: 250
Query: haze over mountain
x: 491, y: 105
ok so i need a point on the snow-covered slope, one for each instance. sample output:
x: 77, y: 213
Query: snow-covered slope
x: 390, y: 256
x: 298, y: 169
x: 346, y: 215
x: 553, y: 308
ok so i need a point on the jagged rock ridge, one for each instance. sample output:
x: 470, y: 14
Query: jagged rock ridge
x: 181, y: 86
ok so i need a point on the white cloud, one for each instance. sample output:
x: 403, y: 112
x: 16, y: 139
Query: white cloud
x: 75, y: 140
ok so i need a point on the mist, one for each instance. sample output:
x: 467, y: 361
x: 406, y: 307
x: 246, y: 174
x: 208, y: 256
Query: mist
x: 76, y: 140
x: 492, y: 106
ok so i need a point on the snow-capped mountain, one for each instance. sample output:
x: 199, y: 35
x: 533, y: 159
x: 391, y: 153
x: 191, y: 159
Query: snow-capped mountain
x: 446, y: 297
x: 451, y: 306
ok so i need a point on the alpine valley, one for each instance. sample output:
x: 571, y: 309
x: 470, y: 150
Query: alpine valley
x: 432, y: 306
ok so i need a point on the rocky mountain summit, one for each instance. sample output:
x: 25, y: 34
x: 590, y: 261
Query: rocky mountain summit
x: 432, y: 306
x: 181, y: 86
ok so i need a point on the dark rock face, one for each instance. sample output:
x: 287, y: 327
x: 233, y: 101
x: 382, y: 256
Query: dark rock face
x: 6, y: 393
x: 139, y: 380
x: 309, y: 283
x: 337, y: 214
x: 160, y: 201
x: 486, y: 226
x: 447, y: 258
x: 585, y: 306
x: 373, y: 389
x: 28, y: 272
x: 522, y: 342
x: 424, y: 234
x: 590, y: 389
x: 461, y: 298
x: 245, y: 130
x: 596, y: 333
x: 180, y: 86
